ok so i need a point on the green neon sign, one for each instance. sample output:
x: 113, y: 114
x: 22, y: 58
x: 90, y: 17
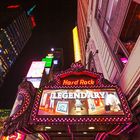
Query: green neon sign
x: 48, y: 60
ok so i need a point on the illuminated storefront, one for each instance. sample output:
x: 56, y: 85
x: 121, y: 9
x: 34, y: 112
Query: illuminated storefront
x: 75, y: 97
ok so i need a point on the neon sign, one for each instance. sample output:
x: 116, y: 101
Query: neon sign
x: 77, y: 82
x: 33, y: 21
x: 13, y: 6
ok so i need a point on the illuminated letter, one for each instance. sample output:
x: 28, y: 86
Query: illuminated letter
x: 81, y: 82
x: 65, y: 82
x: 102, y: 94
x: 96, y: 94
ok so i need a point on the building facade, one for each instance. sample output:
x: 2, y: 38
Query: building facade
x: 15, y: 31
x: 116, y: 38
x: 82, y: 12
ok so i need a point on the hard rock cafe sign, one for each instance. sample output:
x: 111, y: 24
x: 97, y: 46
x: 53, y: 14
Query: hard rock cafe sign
x: 77, y: 82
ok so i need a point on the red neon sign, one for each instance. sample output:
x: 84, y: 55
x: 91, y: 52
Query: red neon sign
x: 80, y: 82
x: 33, y: 21
x: 13, y: 6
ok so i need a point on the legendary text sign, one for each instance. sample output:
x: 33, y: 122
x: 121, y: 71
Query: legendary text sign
x: 80, y: 102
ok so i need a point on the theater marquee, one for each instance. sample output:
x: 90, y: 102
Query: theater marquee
x: 80, y: 96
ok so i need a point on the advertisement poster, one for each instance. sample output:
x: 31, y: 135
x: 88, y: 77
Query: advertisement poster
x: 17, y: 105
x: 80, y: 102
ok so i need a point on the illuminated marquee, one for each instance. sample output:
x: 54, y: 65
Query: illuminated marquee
x: 79, y: 96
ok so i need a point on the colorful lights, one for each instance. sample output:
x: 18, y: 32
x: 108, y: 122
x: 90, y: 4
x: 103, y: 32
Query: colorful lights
x: 77, y: 50
x: 15, y: 136
x: 45, y: 121
x: 124, y: 60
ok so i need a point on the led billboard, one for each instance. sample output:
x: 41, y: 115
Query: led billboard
x: 80, y: 102
x: 35, y: 81
x: 48, y: 61
x: 36, y: 69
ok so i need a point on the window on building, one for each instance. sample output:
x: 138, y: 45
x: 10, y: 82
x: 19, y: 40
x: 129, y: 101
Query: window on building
x: 108, y: 13
x: 109, y: 17
x: 91, y: 63
x: 131, y: 28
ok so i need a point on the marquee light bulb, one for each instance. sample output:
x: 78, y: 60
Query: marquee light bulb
x: 91, y: 128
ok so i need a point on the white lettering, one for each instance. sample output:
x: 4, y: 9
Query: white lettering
x: 78, y: 94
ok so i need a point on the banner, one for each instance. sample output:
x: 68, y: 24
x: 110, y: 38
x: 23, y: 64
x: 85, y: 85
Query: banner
x: 80, y: 102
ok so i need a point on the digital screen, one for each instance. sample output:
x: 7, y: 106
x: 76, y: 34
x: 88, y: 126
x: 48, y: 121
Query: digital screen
x: 55, y: 62
x: 35, y: 81
x: 36, y: 69
x: 48, y: 61
x: 47, y: 70
x: 80, y: 102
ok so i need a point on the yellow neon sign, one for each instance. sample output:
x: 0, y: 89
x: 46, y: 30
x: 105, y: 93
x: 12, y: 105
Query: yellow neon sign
x: 77, y: 50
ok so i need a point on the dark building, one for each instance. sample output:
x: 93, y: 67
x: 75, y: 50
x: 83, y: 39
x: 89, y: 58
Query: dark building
x: 16, y: 29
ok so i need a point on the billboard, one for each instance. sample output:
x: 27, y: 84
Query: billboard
x: 48, y: 61
x: 36, y: 69
x: 80, y: 102
x: 35, y: 81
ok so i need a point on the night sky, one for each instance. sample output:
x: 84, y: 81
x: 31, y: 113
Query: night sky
x: 55, y: 20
